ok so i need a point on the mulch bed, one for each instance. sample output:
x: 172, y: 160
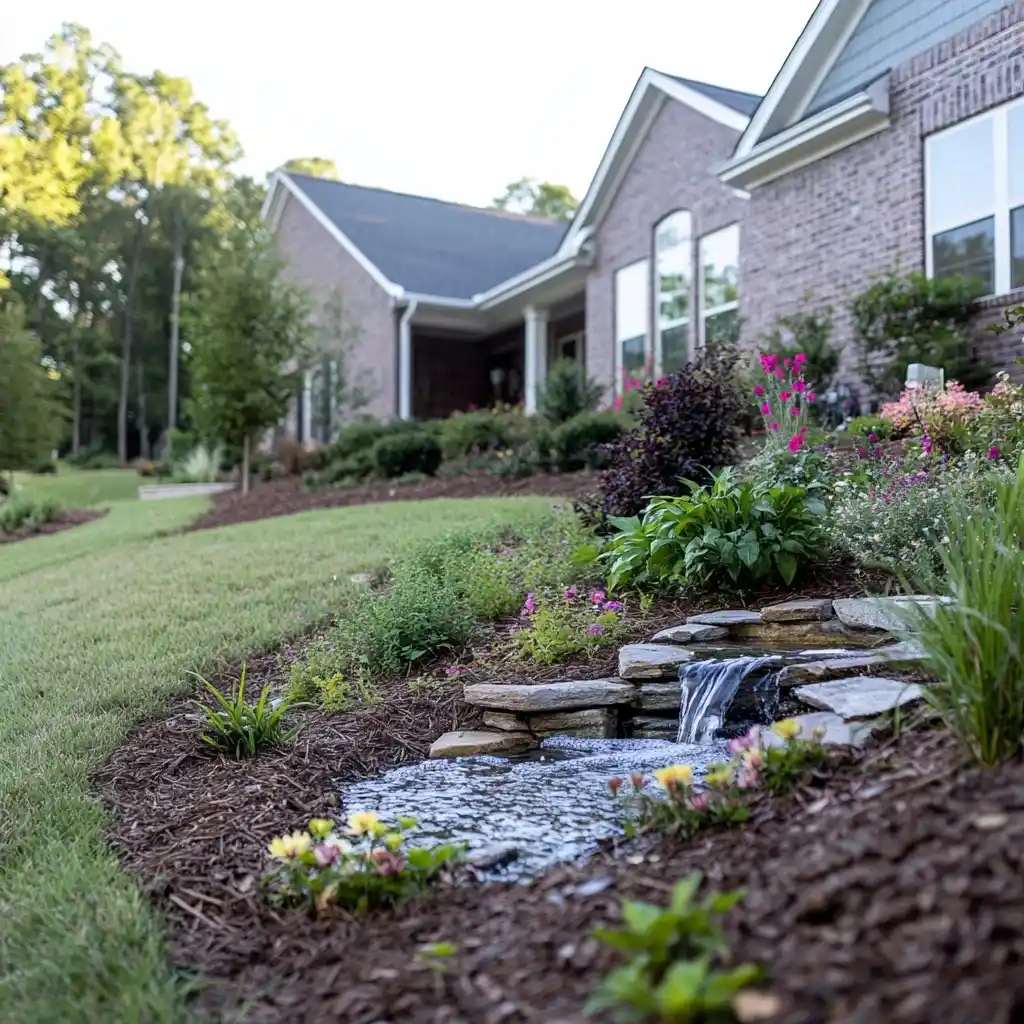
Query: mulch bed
x: 895, y: 892
x: 286, y: 496
x: 63, y: 520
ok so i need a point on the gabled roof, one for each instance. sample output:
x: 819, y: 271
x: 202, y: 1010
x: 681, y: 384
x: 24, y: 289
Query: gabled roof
x: 725, y: 106
x: 428, y: 246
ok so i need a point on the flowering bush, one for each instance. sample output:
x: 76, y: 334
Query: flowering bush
x: 576, y: 623
x: 784, y: 397
x: 369, y: 865
x: 942, y: 416
x: 750, y: 531
x: 677, y: 807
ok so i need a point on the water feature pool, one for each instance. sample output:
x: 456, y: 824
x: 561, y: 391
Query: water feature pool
x: 552, y: 805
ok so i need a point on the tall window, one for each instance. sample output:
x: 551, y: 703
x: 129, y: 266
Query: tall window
x: 631, y: 311
x: 673, y: 254
x: 720, y: 286
x: 974, y: 200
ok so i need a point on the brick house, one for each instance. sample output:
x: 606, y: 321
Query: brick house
x: 457, y: 306
x: 893, y: 132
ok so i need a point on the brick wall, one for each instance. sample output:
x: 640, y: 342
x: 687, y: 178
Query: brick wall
x: 675, y: 168
x: 316, y: 261
x: 815, y: 236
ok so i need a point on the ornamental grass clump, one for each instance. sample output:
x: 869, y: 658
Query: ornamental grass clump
x: 975, y: 643
x: 367, y: 865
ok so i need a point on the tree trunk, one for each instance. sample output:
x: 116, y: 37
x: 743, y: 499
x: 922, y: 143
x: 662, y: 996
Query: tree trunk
x: 172, y: 373
x: 246, y: 462
x: 126, y: 347
x: 76, y: 399
x: 143, y: 425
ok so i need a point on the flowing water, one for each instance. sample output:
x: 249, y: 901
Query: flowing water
x: 709, y: 687
x: 553, y: 805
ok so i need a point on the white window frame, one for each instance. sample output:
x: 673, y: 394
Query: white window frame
x: 705, y: 312
x: 1003, y: 201
x: 684, y: 321
x: 644, y: 292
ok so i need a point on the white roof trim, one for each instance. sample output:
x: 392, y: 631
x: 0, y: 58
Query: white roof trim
x: 280, y: 178
x: 833, y: 129
x: 819, y: 46
x: 635, y: 121
x: 541, y: 273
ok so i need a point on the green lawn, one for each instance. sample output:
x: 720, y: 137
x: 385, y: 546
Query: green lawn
x: 99, y: 636
x: 82, y: 488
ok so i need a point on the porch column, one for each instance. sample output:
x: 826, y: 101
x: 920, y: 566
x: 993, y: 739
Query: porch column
x: 405, y: 362
x: 536, y: 356
x: 306, y: 426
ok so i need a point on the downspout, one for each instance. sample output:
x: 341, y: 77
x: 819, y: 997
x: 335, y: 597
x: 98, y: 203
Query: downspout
x: 405, y: 361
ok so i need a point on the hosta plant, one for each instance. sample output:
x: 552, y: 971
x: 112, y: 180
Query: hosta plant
x: 750, y: 532
x: 367, y: 864
x: 679, y: 961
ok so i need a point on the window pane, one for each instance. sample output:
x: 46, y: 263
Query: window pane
x: 961, y: 179
x: 633, y: 354
x: 1017, y: 247
x: 675, y: 344
x: 631, y: 301
x: 672, y: 247
x: 967, y: 251
x: 722, y: 328
x: 1015, y: 128
x: 719, y: 260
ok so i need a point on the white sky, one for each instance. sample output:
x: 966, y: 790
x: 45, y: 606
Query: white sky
x: 447, y: 98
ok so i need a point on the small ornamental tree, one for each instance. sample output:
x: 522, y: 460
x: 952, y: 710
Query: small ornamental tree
x: 30, y: 417
x: 249, y: 333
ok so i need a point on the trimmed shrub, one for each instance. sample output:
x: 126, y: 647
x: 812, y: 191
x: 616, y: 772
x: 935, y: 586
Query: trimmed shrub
x: 688, y: 426
x: 408, y: 452
x: 481, y: 432
x: 567, y: 392
x: 582, y: 442
x: 20, y: 511
x: 359, y: 437
x: 45, y: 467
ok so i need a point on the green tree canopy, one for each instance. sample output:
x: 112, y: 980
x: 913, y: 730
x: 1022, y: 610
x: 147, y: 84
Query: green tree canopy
x: 314, y: 166
x: 538, y: 199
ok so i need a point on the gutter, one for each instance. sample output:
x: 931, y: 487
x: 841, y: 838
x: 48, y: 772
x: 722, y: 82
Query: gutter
x: 405, y: 360
x: 539, y: 273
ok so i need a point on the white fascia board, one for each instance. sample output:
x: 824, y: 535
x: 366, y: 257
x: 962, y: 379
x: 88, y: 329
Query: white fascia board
x: 541, y: 273
x: 698, y: 101
x: 822, y: 40
x: 283, y: 180
x: 833, y: 129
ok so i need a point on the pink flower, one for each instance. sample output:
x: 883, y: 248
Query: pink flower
x: 759, y: 390
x: 780, y: 374
x: 595, y: 629
x: 326, y: 854
x: 803, y: 429
x: 698, y: 802
x: 738, y: 744
x: 787, y: 362
x: 799, y: 385
x: 452, y: 670
x: 765, y: 408
x: 386, y: 862
x: 993, y: 452
x: 800, y: 358
x: 796, y: 442
x: 615, y: 784
x: 529, y: 605
x: 811, y: 396
x: 872, y: 438
x: 748, y: 779
x: 570, y: 593
x: 597, y: 597
x: 785, y: 396
x: 638, y: 781
x: 773, y: 425
x: 612, y: 606
x: 795, y: 410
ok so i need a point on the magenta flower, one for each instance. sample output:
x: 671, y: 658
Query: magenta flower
x: 765, y: 408
x: 785, y: 396
x: 800, y: 359
x: 926, y: 444
x: 759, y: 390
x: 799, y: 385
x: 796, y: 442
x: 529, y: 605
x: 780, y: 374
x: 595, y: 629
x: 872, y: 438
x: 598, y: 597
x: 811, y: 396
x: 794, y: 410
x: 773, y: 425
x: 803, y: 429
x: 993, y: 452
x: 571, y: 593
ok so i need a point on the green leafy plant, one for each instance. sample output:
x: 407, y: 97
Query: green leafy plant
x: 749, y: 531
x: 975, y: 643
x: 582, y: 442
x: 911, y: 318
x: 233, y: 727
x: 482, y: 432
x: 409, y: 452
x: 673, y: 976
x: 865, y: 426
x: 25, y: 511
x: 200, y: 466
x: 370, y: 865
x: 576, y: 623
x: 567, y: 392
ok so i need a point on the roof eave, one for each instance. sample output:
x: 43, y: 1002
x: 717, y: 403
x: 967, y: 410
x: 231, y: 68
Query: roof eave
x: 835, y: 128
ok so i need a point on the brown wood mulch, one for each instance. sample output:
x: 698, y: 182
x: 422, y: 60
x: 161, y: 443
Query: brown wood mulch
x: 286, y: 495
x: 892, y: 893
x: 63, y: 520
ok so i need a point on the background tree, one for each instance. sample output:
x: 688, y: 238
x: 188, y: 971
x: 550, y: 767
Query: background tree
x: 249, y: 332
x: 314, y: 166
x: 29, y: 416
x: 538, y: 199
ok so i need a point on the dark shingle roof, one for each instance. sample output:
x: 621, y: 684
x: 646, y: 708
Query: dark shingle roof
x: 430, y: 246
x: 745, y: 102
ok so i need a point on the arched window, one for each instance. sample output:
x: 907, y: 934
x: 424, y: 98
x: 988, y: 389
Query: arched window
x: 673, y: 290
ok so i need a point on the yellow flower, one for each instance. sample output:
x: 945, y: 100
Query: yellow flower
x: 321, y: 827
x: 406, y: 821
x: 788, y: 728
x: 719, y: 779
x: 674, y: 775
x: 392, y: 841
x: 290, y: 847
x: 362, y: 822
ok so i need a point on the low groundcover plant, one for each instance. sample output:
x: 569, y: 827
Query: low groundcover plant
x: 577, y: 622
x: 368, y: 865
